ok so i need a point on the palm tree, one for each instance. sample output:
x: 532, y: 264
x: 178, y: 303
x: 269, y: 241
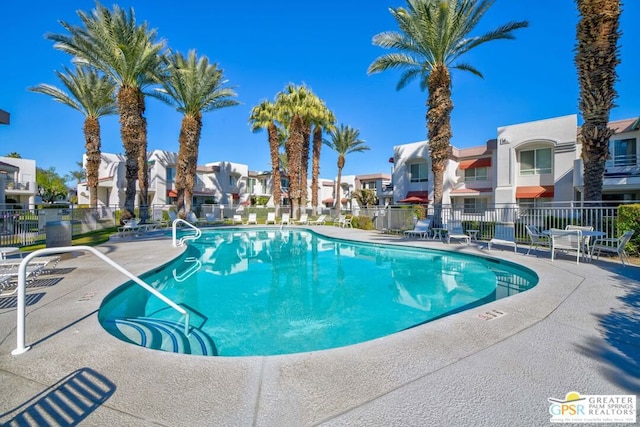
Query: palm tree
x: 91, y: 94
x: 127, y: 53
x: 192, y: 85
x: 433, y: 35
x: 293, y: 106
x: 264, y: 116
x: 596, y: 59
x: 344, y: 140
x: 322, y: 119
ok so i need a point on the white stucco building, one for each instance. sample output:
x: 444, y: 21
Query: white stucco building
x: 17, y: 182
x: 526, y: 163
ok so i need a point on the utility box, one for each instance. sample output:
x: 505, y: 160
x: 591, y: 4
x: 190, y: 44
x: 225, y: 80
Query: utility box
x: 58, y: 234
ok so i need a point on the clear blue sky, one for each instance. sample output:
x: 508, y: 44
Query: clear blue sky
x: 263, y: 45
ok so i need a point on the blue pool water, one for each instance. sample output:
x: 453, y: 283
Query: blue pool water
x: 266, y: 291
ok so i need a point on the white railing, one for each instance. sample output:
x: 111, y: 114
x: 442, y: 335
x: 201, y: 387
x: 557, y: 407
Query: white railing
x: 182, y: 241
x: 196, y: 264
x: 22, y: 284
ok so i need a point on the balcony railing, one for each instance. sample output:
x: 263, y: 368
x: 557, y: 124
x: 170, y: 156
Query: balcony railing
x: 20, y: 186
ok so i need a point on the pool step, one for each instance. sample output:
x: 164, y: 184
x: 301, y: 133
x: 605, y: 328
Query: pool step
x: 162, y: 334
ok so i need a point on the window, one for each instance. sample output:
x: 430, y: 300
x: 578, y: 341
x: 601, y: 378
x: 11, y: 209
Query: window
x: 623, y: 152
x: 233, y: 180
x: 371, y: 185
x: 263, y: 184
x: 419, y: 172
x: 474, y: 205
x: 535, y: 162
x: 476, y: 174
x: 171, y: 175
x: 535, y: 203
x: 252, y: 184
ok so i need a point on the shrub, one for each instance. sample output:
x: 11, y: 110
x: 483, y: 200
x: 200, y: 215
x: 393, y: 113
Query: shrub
x: 363, y: 222
x: 629, y: 219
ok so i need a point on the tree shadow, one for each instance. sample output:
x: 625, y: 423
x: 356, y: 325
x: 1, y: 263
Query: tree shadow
x: 66, y: 403
x: 619, y: 345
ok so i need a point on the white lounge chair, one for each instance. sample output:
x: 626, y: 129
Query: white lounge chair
x: 339, y: 220
x: 505, y: 234
x: 455, y: 231
x: 319, y: 221
x: 304, y: 219
x: 252, y: 218
x: 285, y: 220
x: 271, y: 218
x: 420, y: 229
x: 566, y: 240
x: 614, y: 246
x: 237, y: 219
x: 537, y: 238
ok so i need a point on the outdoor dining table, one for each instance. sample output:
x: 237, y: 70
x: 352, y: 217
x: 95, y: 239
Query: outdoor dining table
x: 588, y: 255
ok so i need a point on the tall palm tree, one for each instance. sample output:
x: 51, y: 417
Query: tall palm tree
x: 128, y: 53
x: 322, y: 119
x: 433, y: 35
x: 344, y: 140
x: 93, y: 95
x: 293, y: 106
x: 264, y: 116
x: 596, y: 58
x: 192, y: 85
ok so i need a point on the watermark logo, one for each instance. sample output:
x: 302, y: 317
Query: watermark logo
x: 576, y: 408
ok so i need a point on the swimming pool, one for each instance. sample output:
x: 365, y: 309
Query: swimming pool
x: 267, y: 291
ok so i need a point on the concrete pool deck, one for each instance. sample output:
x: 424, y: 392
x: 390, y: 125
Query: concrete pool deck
x: 577, y: 330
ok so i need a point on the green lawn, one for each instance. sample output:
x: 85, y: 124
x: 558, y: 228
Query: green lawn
x: 92, y: 238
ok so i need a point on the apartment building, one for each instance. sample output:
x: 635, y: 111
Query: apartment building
x: 17, y: 182
x: 216, y: 182
x: 526, y: 164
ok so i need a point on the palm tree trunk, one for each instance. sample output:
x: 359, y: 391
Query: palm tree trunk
x: 315, y: 165
x: 596, y: 59
x: 274, y: 148
x: 92, y: 147
x: 338, y: 202
x: 294, y: 153
x: 304, y: 164
x: 193, y: 128
x: 143, y: 168
x: 131, y: 123
x: 439, y: 107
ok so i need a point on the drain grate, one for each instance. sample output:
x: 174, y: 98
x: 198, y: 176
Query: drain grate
x: 491, y: 314
x: 87, y: 296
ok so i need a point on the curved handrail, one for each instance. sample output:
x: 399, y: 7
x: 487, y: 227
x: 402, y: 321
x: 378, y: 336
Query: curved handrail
x: 22, y: 284
x: 185, y: 238
x: 189, y: 271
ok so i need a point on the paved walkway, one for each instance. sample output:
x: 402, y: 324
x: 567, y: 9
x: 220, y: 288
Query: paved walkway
x: 576, y: 331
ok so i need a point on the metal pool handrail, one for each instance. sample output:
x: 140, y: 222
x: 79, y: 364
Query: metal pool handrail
x: 185, y: 238
x: 22, y: 284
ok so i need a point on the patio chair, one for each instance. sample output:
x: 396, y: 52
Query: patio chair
x: 318, y: 221
x: 566, y: 240
x: 130, y: 227
x: 237, y: 219
x: 614, y: 246
x: 585, y: 239
x: 455, y: 231
x: 339, y: 220
x: 304, y: 219
x: 537, y: 238
x: 421, y: 229
x: 504, y: 234
x: 252, y: 219
x: 271, y: 218
x: 285, y: 220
